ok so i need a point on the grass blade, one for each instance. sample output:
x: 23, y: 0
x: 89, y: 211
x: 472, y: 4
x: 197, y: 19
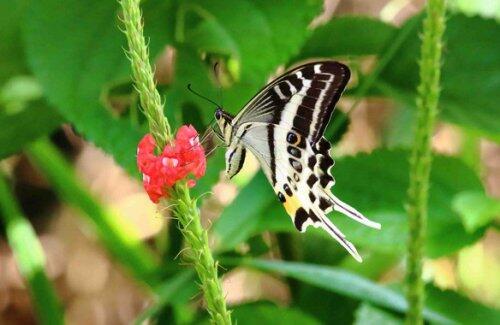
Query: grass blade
x: 29, y: 256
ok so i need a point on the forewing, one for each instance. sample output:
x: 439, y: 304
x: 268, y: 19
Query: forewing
x: 303, y: 99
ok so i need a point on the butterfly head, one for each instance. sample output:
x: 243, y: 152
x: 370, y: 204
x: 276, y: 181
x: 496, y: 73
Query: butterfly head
x: 224, y: 121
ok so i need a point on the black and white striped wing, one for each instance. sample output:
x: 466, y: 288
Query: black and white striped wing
x: 303, y: 99
x: 283, y: 127
x: 299, y: 172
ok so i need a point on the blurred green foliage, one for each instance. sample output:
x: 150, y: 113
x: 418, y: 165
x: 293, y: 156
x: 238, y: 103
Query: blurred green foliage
x: 73, y: 51
x: 29, y: 256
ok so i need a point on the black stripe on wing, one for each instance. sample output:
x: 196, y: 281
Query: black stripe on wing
x: 315, y: 87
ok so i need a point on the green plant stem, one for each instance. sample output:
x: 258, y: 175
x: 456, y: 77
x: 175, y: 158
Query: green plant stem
x: 199, y: 254
x: 119, y: 237
x: 421, y: 157
x: 185, y: 209
x: 29, y: 256
x: 142, y: 73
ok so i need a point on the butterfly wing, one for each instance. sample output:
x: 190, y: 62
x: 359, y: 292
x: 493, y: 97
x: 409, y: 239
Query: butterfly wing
x: 300, y: 175
x: 303, y: 98
x: 283, y: 127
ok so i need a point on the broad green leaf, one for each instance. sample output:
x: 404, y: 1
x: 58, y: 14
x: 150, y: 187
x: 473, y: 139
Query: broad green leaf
x: 29, y: 257
x: 19, y: 129
x: 268, y: 35
x: 367, y: 315
x: 239, y: 219
x: 376, y: 185
x: 384, y: 196
x: 12, y: 58
x: 288, y: 22
x: 459, y: 308
x: 471, y: 64
x: 269, y: 40
x: 118, y: 236
x: 209, y: 36
x: 347, y: 35
x: 189, y: 69
x: 75, y: 49
x: 476, y: 209
x: 270, y: 314
x: 167, y: 293
x: 442, y: 307
x: 339, y: 281
x: 332, y: 308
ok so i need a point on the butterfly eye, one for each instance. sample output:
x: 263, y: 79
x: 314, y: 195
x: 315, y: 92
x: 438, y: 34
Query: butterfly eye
x: 218, y: 114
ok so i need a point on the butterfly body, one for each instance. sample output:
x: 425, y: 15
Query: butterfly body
x: 283, y: 127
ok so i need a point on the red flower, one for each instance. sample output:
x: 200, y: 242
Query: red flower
x: 186, y: 156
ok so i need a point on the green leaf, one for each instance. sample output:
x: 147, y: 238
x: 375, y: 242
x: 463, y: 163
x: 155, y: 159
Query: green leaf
x: 339, y: 281
x: 332, y: 308
x: 287, y: 37
x: 367, y: 315
x: 476, y: 209
x: 266, y: 27
x: 29, y: 257
x: 470, y: 93
x: 167, y: 293
x: 270, y: 314
x: 381, y: 198
x: 459, y: 308
x: 189, y: 69
x: 19, y: 129
x: 236, y: 223
x: 209, y: 36
x: 119, y: 237
x: 442, y: 307
x: 347, y: 35
x: 75, y: 49
x: 12, y: 58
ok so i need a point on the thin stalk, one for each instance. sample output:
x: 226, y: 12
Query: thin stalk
x: 29, y: 257
x: 142, y: 72
x: 185, y: 209
x: 200, y: 255
x: 421, y: 157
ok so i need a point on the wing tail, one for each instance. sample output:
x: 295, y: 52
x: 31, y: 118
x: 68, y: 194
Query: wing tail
x: 352, y: 213
x: 328, y: 201
x: 335, y: 232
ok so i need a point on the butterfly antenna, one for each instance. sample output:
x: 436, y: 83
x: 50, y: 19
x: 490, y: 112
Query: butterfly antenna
x: 201, y: 96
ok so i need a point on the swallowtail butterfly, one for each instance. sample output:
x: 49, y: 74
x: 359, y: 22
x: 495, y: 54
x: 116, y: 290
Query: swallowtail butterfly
x: 283, y: 127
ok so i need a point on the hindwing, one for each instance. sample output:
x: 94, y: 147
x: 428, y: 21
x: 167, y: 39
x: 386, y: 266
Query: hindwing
x: 301, y: 178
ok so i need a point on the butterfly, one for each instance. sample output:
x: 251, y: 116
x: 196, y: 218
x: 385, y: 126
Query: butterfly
x: 283, y: 126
